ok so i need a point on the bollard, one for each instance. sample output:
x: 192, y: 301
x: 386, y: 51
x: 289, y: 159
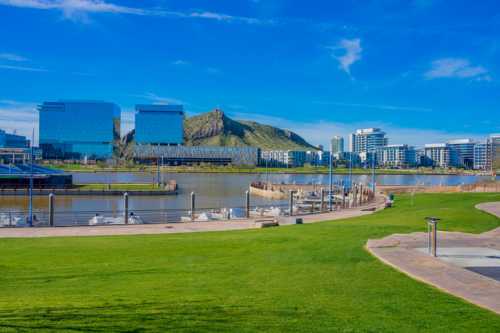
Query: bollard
x: 125, y: 208
x: 193, y: 205
x: 343, y: 196
x: 356, y: 195
x: 290, y: 202
x: 337, y: 201
x: 247, y: 204
x: 51, y: 209
x: 432, y: 235
x: 322, y: 207
x: 360, y: 199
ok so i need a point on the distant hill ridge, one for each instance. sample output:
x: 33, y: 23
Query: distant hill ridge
x: 216, y: 129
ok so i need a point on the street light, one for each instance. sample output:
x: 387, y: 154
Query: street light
x: 350, y: 169
x: 30, y: 218
x: 331, y: 178
x: 373, y: 171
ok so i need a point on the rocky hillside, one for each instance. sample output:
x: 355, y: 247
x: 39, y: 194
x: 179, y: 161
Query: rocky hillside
x: 216, y: 129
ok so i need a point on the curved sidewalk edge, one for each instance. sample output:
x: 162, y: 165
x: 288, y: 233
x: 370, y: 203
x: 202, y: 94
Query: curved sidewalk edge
x: 400, y: 251
x: 151, y: 229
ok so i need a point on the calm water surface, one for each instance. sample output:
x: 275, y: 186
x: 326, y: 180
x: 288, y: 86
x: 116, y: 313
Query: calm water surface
x: 212, y: 190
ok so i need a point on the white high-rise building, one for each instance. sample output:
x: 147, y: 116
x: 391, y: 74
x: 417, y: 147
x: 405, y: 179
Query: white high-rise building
x: 495, y: 147
x: 367, y: 140
x: 437, y: 155
x: 337, y: 145
x: 482, y: 155
x: 396, y: 156
x: 462, y: 153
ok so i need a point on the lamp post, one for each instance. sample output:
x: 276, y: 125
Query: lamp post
x: 373, y: 171
x: 330, y: 178
x: 30, y: 218
x: 350, y: 169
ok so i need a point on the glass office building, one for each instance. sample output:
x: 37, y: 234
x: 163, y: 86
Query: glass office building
x: 367, y: 140
x: 79, y: 129
x: 337, y: 145
x: 495, y: 148
x: 159, y: 124
x: 462, y: 153
x: 8, y: 140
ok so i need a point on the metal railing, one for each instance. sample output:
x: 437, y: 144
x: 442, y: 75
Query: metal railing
x: 326, y: 201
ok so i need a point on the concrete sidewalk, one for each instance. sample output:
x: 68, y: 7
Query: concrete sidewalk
x: 143, y: 229
x: 466, y: 266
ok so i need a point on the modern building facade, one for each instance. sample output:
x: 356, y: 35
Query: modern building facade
x: 495, y: 147
x: 482, y: 156
x: 396, y: 156
x: 437, y: 155
x: 462, y: 153
x: 19, y: 155
x: 337, y: 145
x: 159, y: 124
x: 284, y: 158
x: 78, y: 129
x: 184, y: 155
x: 8, y: 140
x: 367, y: 140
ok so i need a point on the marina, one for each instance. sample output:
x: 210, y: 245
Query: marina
x: 214, y: 194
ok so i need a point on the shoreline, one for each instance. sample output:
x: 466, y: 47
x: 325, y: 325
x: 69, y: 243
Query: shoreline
x: 189, y: 227
x: 357, y: 172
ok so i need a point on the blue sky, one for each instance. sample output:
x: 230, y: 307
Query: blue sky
x: 423, y: 70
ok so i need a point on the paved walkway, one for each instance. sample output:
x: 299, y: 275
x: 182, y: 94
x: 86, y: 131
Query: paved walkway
x: 466, y: 266
x: 143, y: 229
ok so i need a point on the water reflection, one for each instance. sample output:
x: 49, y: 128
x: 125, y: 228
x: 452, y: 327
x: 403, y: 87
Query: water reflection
x: 212, y: 190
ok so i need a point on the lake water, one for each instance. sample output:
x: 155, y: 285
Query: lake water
x: 212, y: 190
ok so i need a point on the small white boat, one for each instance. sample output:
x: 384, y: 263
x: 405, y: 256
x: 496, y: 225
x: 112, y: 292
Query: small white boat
x: 273, y: 211
x: 134, y: 219
x: 202, y: 217
x: 103, y: 220
x: 9, y: 220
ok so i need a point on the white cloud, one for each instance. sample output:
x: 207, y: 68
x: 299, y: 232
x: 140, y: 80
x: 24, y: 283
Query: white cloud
x: 23, y: 68
x: 19, y: 117
x: 351, y: 52
x: 213, y: 70
x: 79, y: 9
x: 12, y: 57
x: 456, y: 68
x: 180, y: 62
x: 155, y: 99
x: 376, y: 106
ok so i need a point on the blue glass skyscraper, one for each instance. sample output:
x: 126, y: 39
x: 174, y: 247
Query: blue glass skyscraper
x: 159, y: 124
x: 78, y: 129
x: 12, y: 140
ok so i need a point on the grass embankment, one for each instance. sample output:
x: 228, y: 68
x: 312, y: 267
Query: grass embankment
x: 234, y: 169
x: 304, y: 278
x: 118, y: 187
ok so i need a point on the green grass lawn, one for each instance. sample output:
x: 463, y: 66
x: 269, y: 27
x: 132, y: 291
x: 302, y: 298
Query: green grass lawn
x: 303, y: 278
x: 235, y: 169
